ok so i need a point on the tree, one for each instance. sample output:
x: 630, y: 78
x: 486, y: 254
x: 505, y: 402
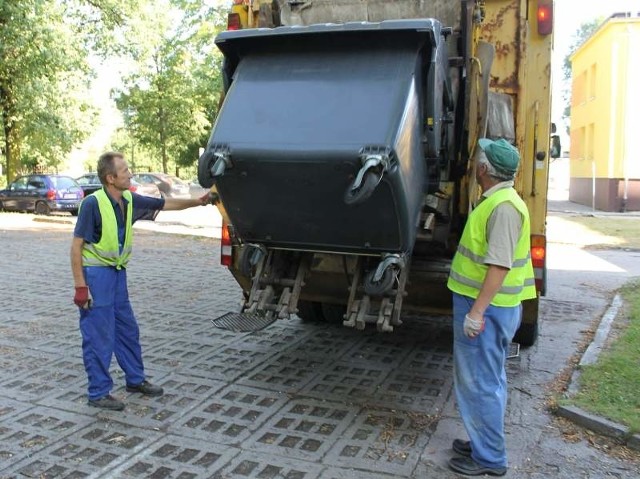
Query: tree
x: 170, y: 102
x: 45, y: 106
x: 581, y: 35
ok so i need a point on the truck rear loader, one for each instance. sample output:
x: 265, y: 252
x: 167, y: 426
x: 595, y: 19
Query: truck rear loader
x: 343, y: 151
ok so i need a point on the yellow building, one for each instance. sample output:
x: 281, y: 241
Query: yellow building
x: 605, y: 114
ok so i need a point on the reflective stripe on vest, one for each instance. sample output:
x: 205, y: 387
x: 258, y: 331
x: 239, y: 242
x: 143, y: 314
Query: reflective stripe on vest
x: 106, y: 252
x: 468, y: 269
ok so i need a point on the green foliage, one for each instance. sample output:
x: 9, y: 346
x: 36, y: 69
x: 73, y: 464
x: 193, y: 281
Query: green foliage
x: 610, y: 387
x: 45, y: 75
x: 169, y: 103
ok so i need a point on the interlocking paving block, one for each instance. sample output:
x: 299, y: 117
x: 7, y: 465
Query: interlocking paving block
x: 8, y: 410
x: 355, y: 381
x: 261, y: 466
x: 29, y: 432
x: 15, y: 360
x: 326, y: 343
x: 230, y: 362
x: 348, y: 473
x: 384, y: 441
x: 276, y: 338
x: 413, y: 391
x: 285, y: 372
x: 303, y: 429
x: 181, y: 394
x: 41, y: 380
x: 179, y: 352
x: 231, y: 415
x: 176, y: 457
x: 434, y: 359
x: 564, y: 311
x: 96, y: 448
x: 380, y: 349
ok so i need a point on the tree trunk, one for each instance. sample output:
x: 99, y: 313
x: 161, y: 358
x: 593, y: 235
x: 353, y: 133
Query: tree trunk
x: 11, y: 137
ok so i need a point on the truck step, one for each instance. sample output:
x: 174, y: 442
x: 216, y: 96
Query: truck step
x: 243, y: 322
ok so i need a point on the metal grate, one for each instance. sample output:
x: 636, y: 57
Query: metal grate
x: 243, y: 322
x: 514, y: 350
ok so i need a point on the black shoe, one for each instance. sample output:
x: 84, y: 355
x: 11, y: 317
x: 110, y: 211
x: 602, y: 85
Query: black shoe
x: 107, y: 402
x: 469, y: 467
x: 461, y: 447
x: 146, y: 388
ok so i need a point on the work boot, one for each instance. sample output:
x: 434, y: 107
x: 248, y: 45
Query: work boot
x: 461, y: 447
x: 146, y: 388
x: 469, y: 467
x: 107, y: 402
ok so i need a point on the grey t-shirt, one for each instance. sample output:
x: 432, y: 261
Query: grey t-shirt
x: 503, y: 230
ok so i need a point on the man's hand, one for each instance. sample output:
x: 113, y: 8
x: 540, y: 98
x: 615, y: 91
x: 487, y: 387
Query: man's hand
x: 473, y: 327
x: 208, y: 198
x: 81, y: 299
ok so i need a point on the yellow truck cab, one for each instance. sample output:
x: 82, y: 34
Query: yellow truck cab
x: 326, y: 220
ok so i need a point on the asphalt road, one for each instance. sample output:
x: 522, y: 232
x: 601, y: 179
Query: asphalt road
x: 295, y: 400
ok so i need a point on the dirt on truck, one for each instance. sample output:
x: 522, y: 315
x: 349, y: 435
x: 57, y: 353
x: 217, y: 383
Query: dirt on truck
x: 343, y: 152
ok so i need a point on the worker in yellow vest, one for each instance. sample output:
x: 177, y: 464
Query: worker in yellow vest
x: 100, y: 251
x: 490, y: 276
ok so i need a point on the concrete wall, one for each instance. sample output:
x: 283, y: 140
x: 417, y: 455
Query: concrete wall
x: 609, y: 193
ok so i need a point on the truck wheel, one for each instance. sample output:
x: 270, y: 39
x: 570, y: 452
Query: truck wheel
x: 310, y: 311
x: 378, y: 288
x: 368, y: 185
x: 333, y: 313
x: 527, y: 334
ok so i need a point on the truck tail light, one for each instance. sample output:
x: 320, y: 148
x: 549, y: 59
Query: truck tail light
x: 226, y: 252
x: 545, y: 17
x: 233, y: 22
x: 539, y: 261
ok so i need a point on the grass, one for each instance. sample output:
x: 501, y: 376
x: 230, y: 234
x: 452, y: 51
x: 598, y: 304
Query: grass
x: 611, y: 387
x: 598, y: 232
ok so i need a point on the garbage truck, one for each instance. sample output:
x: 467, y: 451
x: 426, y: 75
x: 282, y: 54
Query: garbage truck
x: 343, y: 150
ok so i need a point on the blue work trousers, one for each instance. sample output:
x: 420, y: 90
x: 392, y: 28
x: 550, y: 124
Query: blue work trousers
x: 109, y: 326
x: 480, y: 379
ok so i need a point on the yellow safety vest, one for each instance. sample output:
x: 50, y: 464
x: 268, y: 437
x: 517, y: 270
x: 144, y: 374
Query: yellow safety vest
x: 468, y: 269
x: 106, y: 252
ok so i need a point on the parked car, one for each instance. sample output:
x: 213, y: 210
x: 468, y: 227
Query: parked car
x: 42, y: 194
x: 195, y: 190
x: 169, y: 186
x: 90, y: 183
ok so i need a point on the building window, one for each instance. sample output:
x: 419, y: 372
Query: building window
x: 590, y: 142
x: 593, y: 74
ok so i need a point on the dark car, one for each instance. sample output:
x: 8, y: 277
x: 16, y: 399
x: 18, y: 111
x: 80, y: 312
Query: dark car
x: 42, y: 194
x: 169, y: 186
x: 90, y: 183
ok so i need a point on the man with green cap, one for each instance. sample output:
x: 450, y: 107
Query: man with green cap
x: 490, y: 276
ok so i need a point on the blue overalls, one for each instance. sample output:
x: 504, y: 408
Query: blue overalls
x: 109, y: 325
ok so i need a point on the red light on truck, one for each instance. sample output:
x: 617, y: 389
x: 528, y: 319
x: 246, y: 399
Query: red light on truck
x: 545, y: 17
x: 226, y: 258
x: 537, y: 254
x: 233, y: 22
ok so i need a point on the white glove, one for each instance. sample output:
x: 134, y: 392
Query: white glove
x: 473, y: 327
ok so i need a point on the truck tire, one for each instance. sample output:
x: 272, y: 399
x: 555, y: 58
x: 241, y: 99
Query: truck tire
x: 527, y: 334
x: 333, y: 313
x: 310, y: 311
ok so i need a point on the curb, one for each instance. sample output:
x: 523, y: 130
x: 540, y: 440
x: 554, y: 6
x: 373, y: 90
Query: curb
x: 586, y: 419
x: 52, y: 219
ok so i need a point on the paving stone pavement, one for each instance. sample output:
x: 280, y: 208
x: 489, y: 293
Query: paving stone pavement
x: 296, y: 400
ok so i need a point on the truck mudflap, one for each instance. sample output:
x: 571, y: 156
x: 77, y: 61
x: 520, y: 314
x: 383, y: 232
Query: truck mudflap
x: 327, y: 133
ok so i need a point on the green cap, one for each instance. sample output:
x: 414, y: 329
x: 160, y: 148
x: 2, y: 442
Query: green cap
x: 501, y: 154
